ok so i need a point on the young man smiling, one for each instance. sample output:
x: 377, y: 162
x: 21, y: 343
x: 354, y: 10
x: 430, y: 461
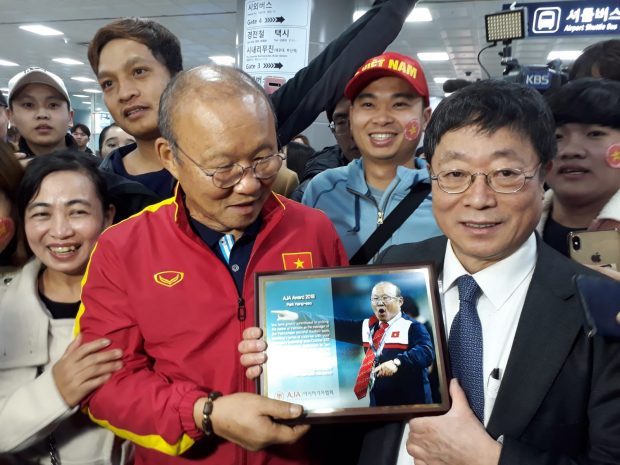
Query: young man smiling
x: 389, y: 111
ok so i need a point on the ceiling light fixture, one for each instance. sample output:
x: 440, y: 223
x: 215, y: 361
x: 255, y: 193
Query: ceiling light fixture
x: 433, y: 56
x: 83, y: 79
x: 358, y: 14
x: 80, y: 95
x: 7, y: 63
x: 41, y: 30
x: 67, y: 61
x: 419, y: 15
x: 565, y: 55
x: 440, y: 80
x: 92, y: 91
x: 224, y: 60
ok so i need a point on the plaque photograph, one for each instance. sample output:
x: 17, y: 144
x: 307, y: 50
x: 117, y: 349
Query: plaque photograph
x: 354, y: 342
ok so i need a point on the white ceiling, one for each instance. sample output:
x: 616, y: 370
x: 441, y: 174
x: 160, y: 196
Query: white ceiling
x: 209, y: 28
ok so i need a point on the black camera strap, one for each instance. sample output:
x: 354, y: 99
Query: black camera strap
x: 394, y: 220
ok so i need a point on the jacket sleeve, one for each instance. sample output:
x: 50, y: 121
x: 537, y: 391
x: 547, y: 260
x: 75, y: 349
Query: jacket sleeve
x: 421, y: 352
x: 321, y: 84
x: 349, y: 330
x: 312, y: 193
x: 137, y: 403
x: 30, y: 408
x: 600, y: 442
x: 339, y: 251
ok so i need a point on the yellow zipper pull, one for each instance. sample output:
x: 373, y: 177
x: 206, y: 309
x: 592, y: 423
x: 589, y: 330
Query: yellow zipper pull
x: 379, y: 217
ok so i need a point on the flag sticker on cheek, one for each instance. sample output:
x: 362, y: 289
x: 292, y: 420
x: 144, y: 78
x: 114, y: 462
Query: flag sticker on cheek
x: 613, y: 156
x: 7, y: 231
x: 412, y: 129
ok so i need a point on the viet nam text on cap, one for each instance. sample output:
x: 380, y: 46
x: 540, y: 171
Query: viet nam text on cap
x: 389, y: 64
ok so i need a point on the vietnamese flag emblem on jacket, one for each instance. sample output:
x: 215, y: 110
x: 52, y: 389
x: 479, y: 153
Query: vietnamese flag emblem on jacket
x: 297, y: 260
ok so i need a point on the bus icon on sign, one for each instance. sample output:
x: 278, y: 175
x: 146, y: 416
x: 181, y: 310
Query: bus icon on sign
x: 546, y: 20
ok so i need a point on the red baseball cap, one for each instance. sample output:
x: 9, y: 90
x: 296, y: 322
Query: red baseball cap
x: 389, y: 64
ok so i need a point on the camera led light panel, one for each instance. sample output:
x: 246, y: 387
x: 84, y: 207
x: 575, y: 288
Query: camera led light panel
x: 506, y: 25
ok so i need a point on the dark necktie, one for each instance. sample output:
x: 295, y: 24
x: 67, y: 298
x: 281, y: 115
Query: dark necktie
x: 465, y: 344
x: 363, y: 376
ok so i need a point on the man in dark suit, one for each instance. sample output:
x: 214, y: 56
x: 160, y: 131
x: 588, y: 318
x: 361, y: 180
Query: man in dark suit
x: 547, y: 392
x: 538, y: 389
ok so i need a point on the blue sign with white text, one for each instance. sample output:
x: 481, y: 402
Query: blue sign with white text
x: 571, y: 18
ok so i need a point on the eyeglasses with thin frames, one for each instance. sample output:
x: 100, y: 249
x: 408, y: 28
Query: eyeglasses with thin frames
x: 229, y: 176
x: 502, y: 180
x: 339, y: 126
x: 386, y: 299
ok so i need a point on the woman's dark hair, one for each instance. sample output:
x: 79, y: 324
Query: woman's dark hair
x: 11, y: 174
x: 587, y: 101
x: 103, y: 134
x: 492, y: 105
x: 602, y: 58
x: 63, y: 160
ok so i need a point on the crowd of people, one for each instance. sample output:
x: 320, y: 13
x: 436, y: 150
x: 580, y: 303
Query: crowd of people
x: 127, y: 276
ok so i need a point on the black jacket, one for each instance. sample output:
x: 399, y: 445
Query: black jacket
x: 329, y: 157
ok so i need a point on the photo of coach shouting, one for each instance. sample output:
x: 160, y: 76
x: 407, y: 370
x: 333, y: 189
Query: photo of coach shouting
x: 399, y: 351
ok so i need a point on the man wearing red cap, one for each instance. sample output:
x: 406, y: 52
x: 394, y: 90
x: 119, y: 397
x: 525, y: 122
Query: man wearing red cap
x: 389, y: 111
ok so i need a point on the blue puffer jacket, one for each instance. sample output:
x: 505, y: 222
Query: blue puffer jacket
x: 344, y: 196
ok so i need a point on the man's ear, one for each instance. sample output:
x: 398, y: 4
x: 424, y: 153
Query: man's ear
x: 166, y: 156
x: 426, y: 116
x: 108, y: 215
x: 70, y: 118
x: 544, y: 169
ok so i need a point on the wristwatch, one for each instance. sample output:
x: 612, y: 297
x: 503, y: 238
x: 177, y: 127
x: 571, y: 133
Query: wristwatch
x: 397, y: 362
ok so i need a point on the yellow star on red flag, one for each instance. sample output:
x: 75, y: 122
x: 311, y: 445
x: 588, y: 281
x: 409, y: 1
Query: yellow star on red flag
x: 297, y: 260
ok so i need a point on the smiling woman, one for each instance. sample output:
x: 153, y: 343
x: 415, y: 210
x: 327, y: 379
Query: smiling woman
x: 62, y: 202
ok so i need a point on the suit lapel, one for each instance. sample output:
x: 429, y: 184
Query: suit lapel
x: 549, y: 323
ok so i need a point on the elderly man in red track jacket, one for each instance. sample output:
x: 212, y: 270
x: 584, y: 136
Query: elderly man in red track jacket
x: 173, y: 286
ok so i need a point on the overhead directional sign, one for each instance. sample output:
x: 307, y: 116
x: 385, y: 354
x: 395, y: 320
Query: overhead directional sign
x: 571, y: 18
x: 275, y: 38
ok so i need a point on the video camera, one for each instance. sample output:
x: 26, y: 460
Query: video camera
x: 505, y: 27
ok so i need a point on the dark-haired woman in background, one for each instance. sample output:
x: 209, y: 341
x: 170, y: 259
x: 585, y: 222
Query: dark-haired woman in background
x: 12, y: 250
x: 111, y: 138
x: 63, y: 204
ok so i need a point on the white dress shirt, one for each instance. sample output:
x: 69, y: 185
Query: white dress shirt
x: 504, y: 286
